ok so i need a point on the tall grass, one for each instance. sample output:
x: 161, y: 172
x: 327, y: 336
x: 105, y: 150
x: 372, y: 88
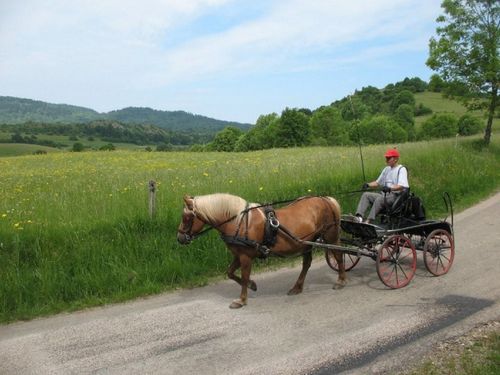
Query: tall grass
x: 75, y: 229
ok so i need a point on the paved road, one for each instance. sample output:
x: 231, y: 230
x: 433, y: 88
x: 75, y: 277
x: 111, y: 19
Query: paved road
x: 363, y: 328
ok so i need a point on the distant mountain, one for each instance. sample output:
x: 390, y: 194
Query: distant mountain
x: 171, y: 120
x: 17, y: 111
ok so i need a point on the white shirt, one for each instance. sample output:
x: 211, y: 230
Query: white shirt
x: 398, y: 175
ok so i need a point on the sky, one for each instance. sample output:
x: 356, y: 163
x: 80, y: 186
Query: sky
x: 231, y: 60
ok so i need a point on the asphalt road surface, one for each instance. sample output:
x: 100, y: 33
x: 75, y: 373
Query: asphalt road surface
x: 362, y: 329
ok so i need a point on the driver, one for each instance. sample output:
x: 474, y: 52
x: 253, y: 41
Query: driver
x: 393, y: 181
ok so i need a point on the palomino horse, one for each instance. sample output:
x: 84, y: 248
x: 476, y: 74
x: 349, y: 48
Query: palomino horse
x: 242, y: 227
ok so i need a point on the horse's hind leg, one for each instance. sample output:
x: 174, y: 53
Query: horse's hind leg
x: 235, y: 264
x: 341, y: 281
x: 299, y: 284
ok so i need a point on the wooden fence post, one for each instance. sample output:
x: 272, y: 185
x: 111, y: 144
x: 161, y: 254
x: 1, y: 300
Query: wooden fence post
x: 152, y: 198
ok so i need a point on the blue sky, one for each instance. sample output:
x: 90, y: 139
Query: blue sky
x: 227, y: 59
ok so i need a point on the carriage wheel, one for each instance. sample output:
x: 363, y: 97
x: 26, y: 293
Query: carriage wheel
x: 439, y: 251
x: 350, y: 260
x: 396, y: 261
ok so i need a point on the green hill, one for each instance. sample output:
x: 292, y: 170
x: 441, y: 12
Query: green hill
x: 18, y: 111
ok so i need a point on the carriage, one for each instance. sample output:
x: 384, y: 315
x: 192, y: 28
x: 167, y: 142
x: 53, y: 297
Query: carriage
x: 394, y: 240
x: 255, y: 231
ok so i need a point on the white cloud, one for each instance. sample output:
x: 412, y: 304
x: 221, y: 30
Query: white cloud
x: 294, y: 29
x: 111, y: 53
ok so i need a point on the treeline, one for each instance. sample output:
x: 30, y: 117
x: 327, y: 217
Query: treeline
x: 106, y: 130
x: 20, y: 111
x: 369, y: 116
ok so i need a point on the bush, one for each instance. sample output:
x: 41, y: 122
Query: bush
x: 108, y: 147
x: 164, y: 147
x: 469, y: 125
x: 422, y: 110
x: 440, y: 125
x: 77, y: 147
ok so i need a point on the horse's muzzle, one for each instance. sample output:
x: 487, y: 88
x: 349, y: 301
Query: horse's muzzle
x: 183, y: 238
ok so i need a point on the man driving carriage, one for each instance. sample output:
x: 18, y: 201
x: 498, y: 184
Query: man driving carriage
x: 393, y: 181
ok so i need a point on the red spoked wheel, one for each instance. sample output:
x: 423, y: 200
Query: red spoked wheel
x: 350, y: 260
x: 439, y: 252
x: 396, y: 261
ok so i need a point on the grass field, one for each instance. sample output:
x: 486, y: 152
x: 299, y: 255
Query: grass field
x: 438, y: 104
x: 8, y: 149
x: 75, y: 229
x: 15, y: 149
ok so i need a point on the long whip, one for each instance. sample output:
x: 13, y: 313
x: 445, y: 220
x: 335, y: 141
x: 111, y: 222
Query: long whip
x: 359, y: 138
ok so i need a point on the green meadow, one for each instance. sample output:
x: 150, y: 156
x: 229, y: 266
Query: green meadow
x: 438, y: 104
x: 75, y: 229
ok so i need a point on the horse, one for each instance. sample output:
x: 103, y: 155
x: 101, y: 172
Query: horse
x: 242, y: 226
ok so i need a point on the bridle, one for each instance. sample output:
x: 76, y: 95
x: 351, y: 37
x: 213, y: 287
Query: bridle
x: 188, y: 232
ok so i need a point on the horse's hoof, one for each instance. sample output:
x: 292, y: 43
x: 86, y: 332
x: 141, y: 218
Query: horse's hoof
x: 338, y: 286
x: 236, y: 304
x: 294, y: 292
x: 252, y: 286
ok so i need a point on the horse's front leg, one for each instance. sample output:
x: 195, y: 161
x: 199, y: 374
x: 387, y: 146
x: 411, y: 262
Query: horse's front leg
x: 299, y: 284
x: 235, y: 265
x: 246, y: 267
x: 342, y: 280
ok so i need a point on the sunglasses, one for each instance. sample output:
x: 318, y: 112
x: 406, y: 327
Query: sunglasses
x: 388, y: 158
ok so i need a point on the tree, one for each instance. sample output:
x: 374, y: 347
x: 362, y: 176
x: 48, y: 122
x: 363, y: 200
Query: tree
x: 467, y: 48
x: 226, y: 139
x: 293, y: 129
x: 405, y: 117
x: 378, y: 129
x: 469, y: 125
x: 328, y: 127
x: 402, y: 97
x: 261, y: 136
x: 440, y: 125
x: 436, y: 83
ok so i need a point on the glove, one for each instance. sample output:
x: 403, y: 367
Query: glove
x: 365, y: 186
x: 386, y: 189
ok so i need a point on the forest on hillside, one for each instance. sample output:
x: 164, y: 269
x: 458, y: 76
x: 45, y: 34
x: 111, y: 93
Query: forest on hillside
x: 369, y: 116
x: 105, y: 130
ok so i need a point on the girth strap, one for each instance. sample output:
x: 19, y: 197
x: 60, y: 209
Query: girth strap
x: 263, y: 250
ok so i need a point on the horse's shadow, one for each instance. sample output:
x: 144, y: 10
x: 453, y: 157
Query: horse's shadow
x: 320, y: 280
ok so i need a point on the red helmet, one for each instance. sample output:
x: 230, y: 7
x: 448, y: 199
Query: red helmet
x: 392, y: 153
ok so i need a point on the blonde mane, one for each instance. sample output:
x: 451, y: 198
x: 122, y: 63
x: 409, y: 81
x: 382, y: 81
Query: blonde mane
x: 215, y: 208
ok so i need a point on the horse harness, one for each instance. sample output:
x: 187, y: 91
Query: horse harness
x: 272, y: 227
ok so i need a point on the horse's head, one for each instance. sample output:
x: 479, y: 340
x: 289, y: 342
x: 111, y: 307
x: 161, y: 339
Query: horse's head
x: 190, y: 224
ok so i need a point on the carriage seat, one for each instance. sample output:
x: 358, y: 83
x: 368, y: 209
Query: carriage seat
x: 407, y: 205
x: 399, y: 205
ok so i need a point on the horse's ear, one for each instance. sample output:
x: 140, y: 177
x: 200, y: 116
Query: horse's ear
x: 189, y: 201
